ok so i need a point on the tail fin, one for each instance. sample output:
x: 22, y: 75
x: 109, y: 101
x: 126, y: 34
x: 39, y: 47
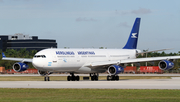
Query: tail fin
x: 3, y: 55
x: 133, y: 37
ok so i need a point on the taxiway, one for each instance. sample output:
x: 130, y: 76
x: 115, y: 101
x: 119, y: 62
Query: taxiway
x: 173, y: 83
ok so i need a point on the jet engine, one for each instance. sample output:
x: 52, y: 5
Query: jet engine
x: 19, y: 67
x: 165, y: 65
x: 115, y: 69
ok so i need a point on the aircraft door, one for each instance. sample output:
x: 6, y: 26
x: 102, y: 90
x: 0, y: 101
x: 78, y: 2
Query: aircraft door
x: 54, y: 62
x: 78, y: 59
x: 54, y: 59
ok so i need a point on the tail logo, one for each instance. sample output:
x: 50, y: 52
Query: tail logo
x: 134, y: 35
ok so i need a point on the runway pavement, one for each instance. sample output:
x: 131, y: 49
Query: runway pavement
x: 173, y: 83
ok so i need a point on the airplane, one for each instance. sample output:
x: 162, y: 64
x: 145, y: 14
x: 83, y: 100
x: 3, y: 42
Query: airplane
x: 90, y: 61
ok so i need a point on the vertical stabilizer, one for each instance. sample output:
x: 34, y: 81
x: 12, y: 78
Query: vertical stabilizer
x: 133, y: 37
x: 3, y: 55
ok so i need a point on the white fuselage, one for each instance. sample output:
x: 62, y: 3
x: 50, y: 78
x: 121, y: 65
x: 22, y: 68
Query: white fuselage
x: 72, y: 60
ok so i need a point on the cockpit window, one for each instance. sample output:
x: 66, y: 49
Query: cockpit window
x: 43, y: 56
x: 39, y: 56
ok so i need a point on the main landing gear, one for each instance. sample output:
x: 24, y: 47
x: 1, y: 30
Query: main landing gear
x: 94, y: 76
x: 112, y: 77
x: 72, y: 77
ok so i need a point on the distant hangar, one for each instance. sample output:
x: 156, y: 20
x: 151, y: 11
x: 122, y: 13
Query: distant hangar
x: 19, y: 41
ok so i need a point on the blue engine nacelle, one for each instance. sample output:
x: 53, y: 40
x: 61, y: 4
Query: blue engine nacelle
x: 19, y: 67
x: 165, y: 65
x: 115, y: 69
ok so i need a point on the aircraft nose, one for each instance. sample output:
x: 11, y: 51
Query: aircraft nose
x: 37, y: 63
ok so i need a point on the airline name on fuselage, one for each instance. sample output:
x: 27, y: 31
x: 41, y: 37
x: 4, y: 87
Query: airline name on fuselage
x: 86, y: 53
x: 72, y: 53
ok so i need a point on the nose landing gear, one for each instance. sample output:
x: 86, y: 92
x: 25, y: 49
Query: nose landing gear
x: 45, y: 74
x: 46, y: 78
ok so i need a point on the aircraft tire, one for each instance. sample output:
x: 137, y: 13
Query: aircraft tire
x: 96, y: 77
x: 108, y: 78
x: 117, y: 78
x: 69, y: 78
x: 48, y: 79
x: 92, y: 78
x: 77, y: 78
x: 113, y: 77
x: 73, y: 78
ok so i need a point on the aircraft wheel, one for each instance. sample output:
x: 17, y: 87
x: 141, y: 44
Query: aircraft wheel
x: 77, y: 78
x: 113, y: 78
x: 73, y: 78
x: 96, y: 77
x: 117, y: 78
x: 48, y: 79
x: 108, y: 78
x: 92, y: 78
x: 69, y: 78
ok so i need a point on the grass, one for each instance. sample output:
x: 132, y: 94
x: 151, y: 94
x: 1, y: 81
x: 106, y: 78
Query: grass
x: 60, y: 78
x: 76, y: 95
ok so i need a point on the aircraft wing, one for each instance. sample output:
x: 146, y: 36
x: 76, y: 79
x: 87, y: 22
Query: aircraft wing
x: 16, y: 59
x: 125, y: 61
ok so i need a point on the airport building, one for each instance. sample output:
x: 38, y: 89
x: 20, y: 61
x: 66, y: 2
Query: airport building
x: 19, y: 41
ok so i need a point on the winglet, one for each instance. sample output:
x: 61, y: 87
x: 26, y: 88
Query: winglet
x: 3, y: 55
x: 133, y: 37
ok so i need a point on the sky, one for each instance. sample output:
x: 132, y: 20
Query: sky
x: 94, y: 23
